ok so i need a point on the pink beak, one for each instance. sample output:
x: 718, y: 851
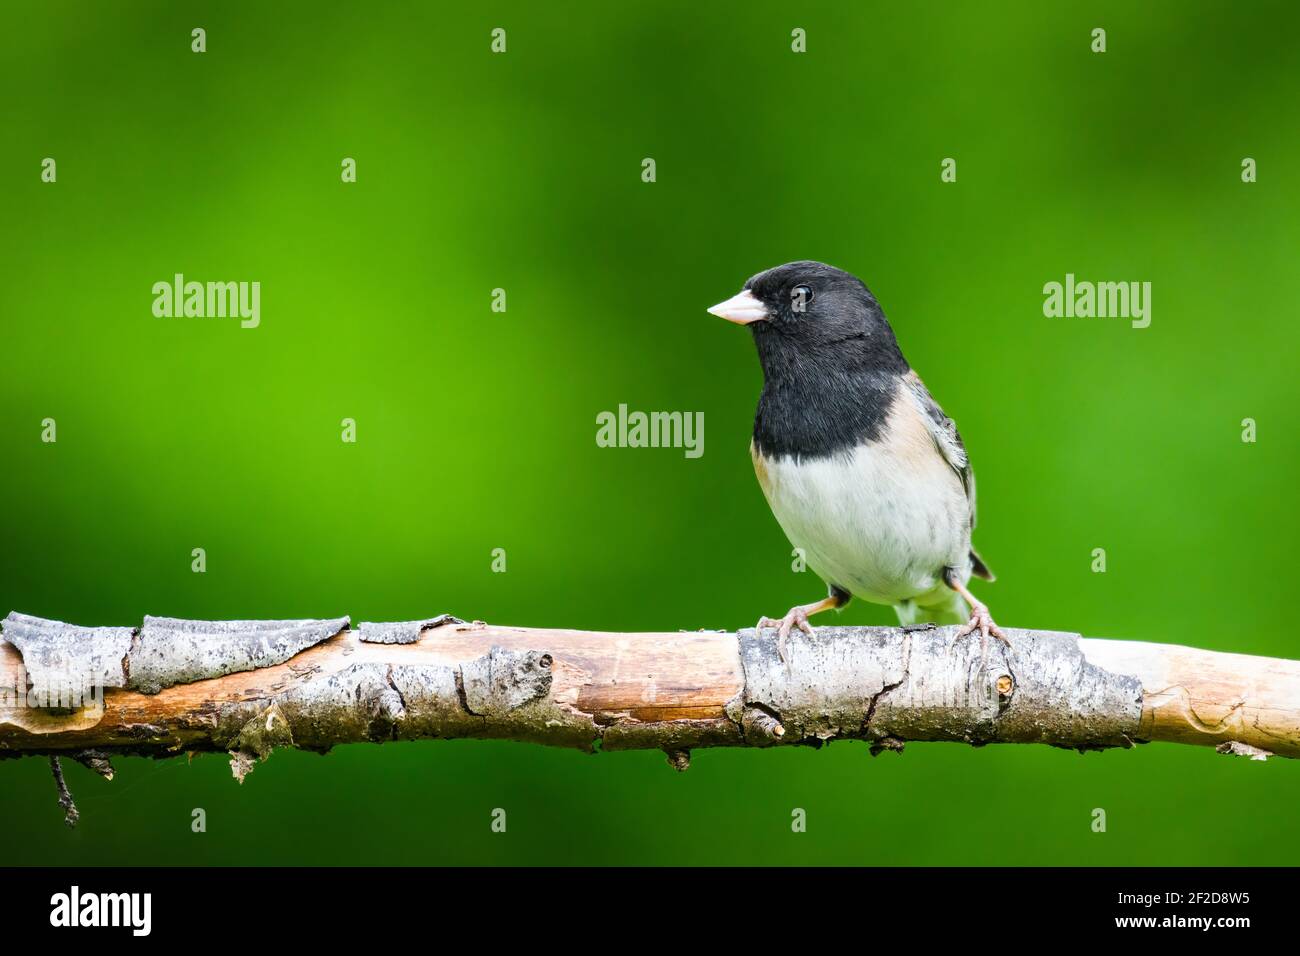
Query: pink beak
x: 741, y: 308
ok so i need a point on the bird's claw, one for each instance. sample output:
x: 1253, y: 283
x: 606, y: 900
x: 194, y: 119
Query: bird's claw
x: 795, y: 617
x: 982, y: 621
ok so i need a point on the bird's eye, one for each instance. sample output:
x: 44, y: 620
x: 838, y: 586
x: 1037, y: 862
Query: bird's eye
x: 800, y: 296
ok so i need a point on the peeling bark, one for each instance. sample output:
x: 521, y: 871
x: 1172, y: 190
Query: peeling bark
x: 402, y: 632
x: 65, y: 663
x: 249, y: 688
x: 171, y: 651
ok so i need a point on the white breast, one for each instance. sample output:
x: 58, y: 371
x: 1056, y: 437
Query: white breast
x: 880, y: 521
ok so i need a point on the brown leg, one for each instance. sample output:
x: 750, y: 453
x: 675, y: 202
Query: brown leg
x: 797, y: 616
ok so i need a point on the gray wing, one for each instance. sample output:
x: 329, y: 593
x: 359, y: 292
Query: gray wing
x: 946, y: 437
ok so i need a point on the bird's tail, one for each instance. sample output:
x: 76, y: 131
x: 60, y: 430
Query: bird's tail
x: 950, y: 609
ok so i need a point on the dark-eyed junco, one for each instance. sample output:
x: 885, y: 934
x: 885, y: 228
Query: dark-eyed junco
x: 861, y: 467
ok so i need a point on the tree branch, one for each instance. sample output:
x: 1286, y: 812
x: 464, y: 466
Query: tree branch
x: 249, y: 687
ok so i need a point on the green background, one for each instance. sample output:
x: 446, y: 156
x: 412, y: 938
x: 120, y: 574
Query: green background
x: 476, y: 429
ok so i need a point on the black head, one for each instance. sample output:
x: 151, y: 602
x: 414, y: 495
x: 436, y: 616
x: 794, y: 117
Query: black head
x: 807, y: 316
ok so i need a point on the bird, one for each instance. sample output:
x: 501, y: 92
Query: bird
x: 860, y: 465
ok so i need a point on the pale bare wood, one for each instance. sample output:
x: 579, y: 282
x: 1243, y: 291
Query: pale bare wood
x: 1193, y: 696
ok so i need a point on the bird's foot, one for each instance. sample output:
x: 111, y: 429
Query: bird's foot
x: 981, y: 620
x: 797, y: 616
